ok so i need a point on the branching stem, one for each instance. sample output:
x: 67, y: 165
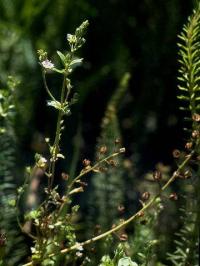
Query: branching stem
x: 126, y: 222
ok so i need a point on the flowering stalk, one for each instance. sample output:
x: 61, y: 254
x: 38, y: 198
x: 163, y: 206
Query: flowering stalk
x: 133, y: 217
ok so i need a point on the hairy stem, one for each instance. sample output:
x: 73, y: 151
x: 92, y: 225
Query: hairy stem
x: 57, y: 138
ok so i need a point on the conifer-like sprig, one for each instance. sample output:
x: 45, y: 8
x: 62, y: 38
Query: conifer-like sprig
x: 189, y: 72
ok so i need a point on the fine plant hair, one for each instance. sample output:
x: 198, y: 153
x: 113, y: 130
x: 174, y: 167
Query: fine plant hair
x: 53, y: 226
x: 8, y: 222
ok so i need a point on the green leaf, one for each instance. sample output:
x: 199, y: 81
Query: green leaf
x: 32, y: 215
x: 76, y: 62
x: 62, y: 57
x: 12, y: 202
x: 55, y: 104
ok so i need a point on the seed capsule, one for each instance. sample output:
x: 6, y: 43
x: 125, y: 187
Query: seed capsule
x: 140, y: 214
x: 145, y: 195
x: 2, y: 240
x: 122, y: 150
x: 103, y: 149
x: 195, y: 134
x: 112, y: 163
x: 117, y: 141
x: 196, y: 117
x: 157, y: 175
x: 65, y: 176
x: 173, y: 196
x: 188, y: 145
x: 123, y: 237
x: 176, y: 153
x: 86, y: 162
x: 121, y: 208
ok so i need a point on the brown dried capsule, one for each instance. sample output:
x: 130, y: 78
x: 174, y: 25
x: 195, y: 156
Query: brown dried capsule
x: 123, y: 237
x: 2, y: 240
x: 188, y: 145
x: 98, y: 226
x: 65, y: 176
x: 121, y: 208
x: 173, y: 196
x: 180, y: 175
x: 187, y: 174
x: 103, y: 149
x: 195, y: 134
x: 86, y: 162
x: 157, y: 175
x: 103, y: 169
x: 112, y: 162
x: 117, y: 141
x: 196, y: 117
x: 97, y: 229
x: 145, y: 195
x: 122, y: 150
x: 140, y: 214
x: 176, y: 153
x: 93, y: 250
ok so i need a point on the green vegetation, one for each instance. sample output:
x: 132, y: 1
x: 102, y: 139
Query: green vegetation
x: 64, y: 202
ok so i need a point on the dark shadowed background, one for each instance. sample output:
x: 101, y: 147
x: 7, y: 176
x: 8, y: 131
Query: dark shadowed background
x: 139, y: 37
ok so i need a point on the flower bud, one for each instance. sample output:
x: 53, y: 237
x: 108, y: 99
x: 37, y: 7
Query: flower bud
x: 42, y: 163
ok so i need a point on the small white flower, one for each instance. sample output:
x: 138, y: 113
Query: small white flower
x: 71, y: 38
x: 47, y: 64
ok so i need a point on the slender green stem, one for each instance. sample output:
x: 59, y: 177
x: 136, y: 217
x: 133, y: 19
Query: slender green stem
x: 57, y: 137
x: 126, y: 222
x: 123, y: 224
x: 176, y: 173
x: 46, y: 86
x: 84, y: 172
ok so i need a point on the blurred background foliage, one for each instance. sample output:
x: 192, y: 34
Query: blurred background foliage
x: 138, y: 37
x: 123, y: 36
